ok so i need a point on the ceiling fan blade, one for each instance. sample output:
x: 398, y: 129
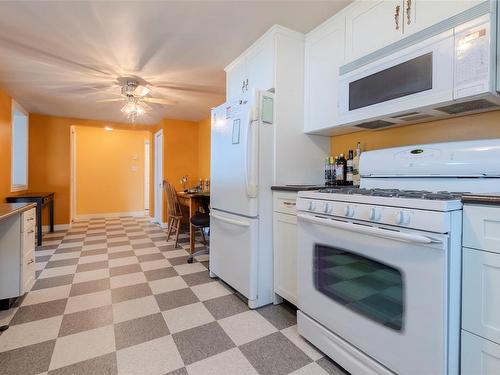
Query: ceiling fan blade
x: 159, y: 101
x: 189, y: 87
x: 110, y: 100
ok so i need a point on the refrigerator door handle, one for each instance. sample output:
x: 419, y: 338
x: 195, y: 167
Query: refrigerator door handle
x: 230, y: 221
x: 250, y: 156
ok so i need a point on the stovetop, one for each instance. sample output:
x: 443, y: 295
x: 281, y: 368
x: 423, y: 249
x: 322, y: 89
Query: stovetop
x: 395, y: 193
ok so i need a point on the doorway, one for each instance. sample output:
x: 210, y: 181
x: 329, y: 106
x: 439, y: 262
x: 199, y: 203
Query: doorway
x: 158, y: 178
x: 146, y: 176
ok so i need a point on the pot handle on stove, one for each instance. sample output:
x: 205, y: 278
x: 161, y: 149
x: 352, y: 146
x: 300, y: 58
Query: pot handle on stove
x: 373, y: 231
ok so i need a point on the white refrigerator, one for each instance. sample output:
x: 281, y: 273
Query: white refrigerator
x: 242, y: 172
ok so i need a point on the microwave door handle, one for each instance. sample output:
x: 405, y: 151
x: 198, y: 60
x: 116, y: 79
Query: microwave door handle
x: 230, y: 221
x: 393, y: 235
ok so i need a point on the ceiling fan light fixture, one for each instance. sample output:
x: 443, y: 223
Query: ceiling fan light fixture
x: 141, y: 91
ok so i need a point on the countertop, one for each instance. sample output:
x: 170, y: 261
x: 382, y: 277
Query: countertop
x: 487, y: 199
x: 296, y: 187
x: 9, y: 209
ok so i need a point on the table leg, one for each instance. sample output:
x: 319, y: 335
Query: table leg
x: 39, y: 223
x: 51, y: 215
x: 193, y: 207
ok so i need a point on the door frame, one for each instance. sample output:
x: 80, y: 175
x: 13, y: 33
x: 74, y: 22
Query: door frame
x: 72, y: 185
x: 158, y: 178
x: 147, y: 175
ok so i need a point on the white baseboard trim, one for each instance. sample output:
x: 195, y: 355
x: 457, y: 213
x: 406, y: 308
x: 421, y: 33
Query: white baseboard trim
x: 45, y: 228
x: 162, y: 225
x: 109, y: 214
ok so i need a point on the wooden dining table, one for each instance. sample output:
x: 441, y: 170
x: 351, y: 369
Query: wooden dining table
x: 193, y: 201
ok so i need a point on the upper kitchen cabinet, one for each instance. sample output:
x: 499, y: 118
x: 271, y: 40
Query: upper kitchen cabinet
x: 420, y: 14
x: 255, y: 68
x: 372, y: 25
x: 324, y: 54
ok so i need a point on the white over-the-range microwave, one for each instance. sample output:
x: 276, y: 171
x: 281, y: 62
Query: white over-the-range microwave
x: 451, y: 73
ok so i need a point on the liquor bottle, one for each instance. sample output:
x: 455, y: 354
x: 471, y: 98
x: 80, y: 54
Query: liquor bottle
x: 333, y: 166
x: 327, y: 171
x: 355, y: 166
x: 341, y: 170
x: 349, y: 168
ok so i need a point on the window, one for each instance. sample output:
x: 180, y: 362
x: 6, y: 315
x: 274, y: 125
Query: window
x: 19, y: 178
x: 368, y: 287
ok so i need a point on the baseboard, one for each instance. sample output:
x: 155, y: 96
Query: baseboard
x: 109, y: 214
x: 57, y: 227
x: 162, y: 225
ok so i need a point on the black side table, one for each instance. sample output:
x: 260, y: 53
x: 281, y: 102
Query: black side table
x: 41, y: 200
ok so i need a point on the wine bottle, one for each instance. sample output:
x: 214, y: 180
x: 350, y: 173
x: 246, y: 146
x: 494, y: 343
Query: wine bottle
x: 349, y: 168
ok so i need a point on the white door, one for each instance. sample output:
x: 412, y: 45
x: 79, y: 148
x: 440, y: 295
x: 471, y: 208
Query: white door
x: 325, y: 53
x: 285, y: 256
x: 234, y: 160
x: 234, y: 251
x: 383, y: 291
x: 146, y: 175
x: 371, y: 25
x: 158, y: 180
x: 479, y: 356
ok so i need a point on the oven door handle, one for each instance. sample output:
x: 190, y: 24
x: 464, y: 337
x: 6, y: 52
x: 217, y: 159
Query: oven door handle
x: 374, y: 231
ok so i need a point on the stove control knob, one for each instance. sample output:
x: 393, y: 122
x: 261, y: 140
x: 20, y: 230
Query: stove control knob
x: 349, y: 211
x: 312, y: 206
x: 327, y: 208
x: 374, y: 214
x: 402, y: 218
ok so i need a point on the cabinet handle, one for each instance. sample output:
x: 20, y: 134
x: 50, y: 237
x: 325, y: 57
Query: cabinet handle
x: 31, y: 219
x: 290, y: 204
x: 31, y: 231
x: 396, y: 16
x: 408, y: 12
x: 246, y: 85
x: 242, y: 86
x: 31, y: 261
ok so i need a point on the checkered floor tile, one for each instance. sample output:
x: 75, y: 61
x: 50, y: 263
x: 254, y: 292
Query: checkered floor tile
x: 113, y: 296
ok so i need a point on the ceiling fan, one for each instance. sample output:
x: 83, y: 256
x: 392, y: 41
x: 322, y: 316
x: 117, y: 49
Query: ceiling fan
x: 135, y: 94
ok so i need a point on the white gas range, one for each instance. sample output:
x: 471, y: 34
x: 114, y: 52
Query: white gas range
x: 379, y: 267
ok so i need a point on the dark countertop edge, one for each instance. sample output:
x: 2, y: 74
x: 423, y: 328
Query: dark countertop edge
x: 486, y: 199
x: 9, y: 209
x: 296, y: 187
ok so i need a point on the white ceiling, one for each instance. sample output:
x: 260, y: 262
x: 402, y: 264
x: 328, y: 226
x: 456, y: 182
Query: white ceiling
x: 58, y: 58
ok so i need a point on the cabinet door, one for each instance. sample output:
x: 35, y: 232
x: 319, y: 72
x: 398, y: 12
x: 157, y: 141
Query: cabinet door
x: 260, y: 65
x: 481, y: 227
x: 285, y: 256
x: 421, y: 14
x: 234, y: 80
x: 479, y: 356
x: 371, y: 25
x: 481, y: 293
x: 325, y: 53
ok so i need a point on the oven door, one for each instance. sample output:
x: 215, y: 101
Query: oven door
x: 420, y: 75
x: 383, y: 291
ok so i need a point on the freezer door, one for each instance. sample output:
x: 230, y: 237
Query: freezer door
x: 234, y: 251
x: 234, y: 159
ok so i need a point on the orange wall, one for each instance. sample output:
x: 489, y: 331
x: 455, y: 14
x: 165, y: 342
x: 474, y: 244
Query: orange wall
x: 204, y: 127
x: 49, y: 157
x: 109, y: 170
x: 479, y: 126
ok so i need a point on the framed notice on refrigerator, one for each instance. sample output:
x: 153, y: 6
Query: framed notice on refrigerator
x: 236, y: 131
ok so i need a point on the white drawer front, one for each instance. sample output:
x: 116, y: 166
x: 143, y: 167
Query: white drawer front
x: 481, y: 293
x: 479, y: 356
x: 285, y: 202
x: 28, y: 220
x: 28, y: 272
x: 28, y: 240
x: 482, y: 227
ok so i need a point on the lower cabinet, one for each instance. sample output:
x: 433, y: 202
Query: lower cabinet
x: 285, y: 246
x: 479, y: 356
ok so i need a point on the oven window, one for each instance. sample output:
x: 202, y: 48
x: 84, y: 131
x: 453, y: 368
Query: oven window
x: 370, y: 288
x: 407, y: 78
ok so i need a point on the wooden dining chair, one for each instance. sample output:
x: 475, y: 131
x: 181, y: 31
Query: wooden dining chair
x: 174, y: 212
